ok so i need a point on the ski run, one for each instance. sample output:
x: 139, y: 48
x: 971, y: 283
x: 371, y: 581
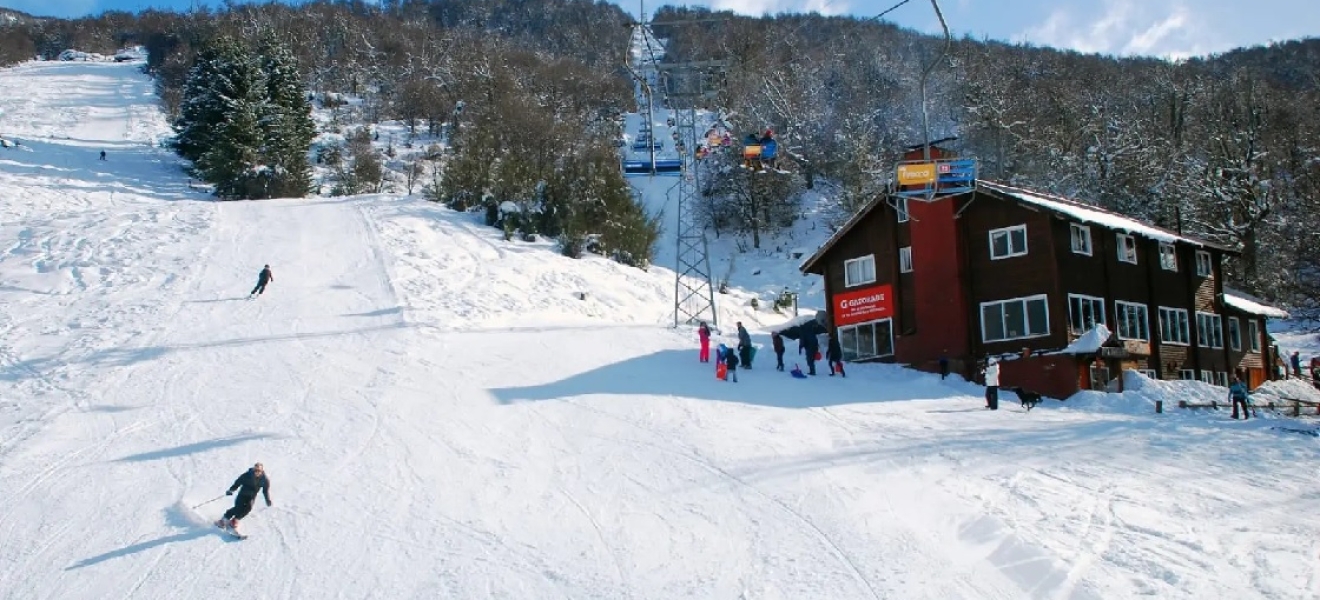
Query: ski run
x: 444, y: 414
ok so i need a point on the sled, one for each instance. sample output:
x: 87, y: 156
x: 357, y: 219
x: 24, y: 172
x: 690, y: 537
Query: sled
x: 722, y: 372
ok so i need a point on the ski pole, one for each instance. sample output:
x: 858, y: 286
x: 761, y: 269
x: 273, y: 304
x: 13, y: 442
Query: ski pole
x: 208, y: 501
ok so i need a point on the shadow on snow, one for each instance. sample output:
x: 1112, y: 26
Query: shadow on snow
x: 195, y: 447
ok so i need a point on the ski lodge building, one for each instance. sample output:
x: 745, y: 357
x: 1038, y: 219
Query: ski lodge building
x: 1066, y: 294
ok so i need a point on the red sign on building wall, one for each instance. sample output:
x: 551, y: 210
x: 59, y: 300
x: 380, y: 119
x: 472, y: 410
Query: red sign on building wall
x: 867, y: 304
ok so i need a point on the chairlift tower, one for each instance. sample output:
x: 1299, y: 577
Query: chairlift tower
x: 688, y: 85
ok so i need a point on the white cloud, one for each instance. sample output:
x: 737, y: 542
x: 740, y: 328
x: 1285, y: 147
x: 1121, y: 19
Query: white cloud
x: 757, y: 8
x: 1124, y: 27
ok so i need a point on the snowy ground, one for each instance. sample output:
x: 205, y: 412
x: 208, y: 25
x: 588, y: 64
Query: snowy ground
x: 442, y: 416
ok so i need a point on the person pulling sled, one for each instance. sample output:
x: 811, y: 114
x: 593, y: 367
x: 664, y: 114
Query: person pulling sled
x: 264, y: 277
x: 247, y: 484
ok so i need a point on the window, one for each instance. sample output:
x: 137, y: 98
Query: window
x: 1127, y: 248
x: 1208, y: 377
x: 1008, y: 242
x: 1254, y: 334
x: 1133, y: 321
x: 1149, y: 373
x: 1187, y: 375
x: 859, y: 271
x: 905, y: 259
x: 1203, y: 265
x: 1210, y: 330
x: 1168, y: 257
x: 1015, y: 319
x: 1234, y: 333
x: 901, y: 207
x: 1081, y: 239
x: 867, y: 340
x: 1221, y: 378
x: 1084, y: 313
x: 1174, y: 327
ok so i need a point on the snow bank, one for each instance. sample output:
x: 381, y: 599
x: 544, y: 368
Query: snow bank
x: 1252, y: 305
x: 1090, y: 341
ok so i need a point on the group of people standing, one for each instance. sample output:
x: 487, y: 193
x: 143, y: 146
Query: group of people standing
x: 729, y: 359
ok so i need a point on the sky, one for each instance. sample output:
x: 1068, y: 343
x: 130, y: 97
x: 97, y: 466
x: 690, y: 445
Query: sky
x: 1166, y: 28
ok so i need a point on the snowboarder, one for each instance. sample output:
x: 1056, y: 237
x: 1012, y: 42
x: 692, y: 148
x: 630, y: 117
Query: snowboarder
x: 247, y: 484
x: 992, y: 383
x: 731, y: 363
x: 1239, y: 395
x: 944, y: 366
x: 262, y: 279
x: 103, y: 155
x: 777, y: 342
x: 811, y: 347
x: 703, y: 332
x: 744, y: 346
x: 834, y: 354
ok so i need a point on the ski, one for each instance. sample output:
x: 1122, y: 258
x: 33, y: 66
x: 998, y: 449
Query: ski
x: 230, y: 531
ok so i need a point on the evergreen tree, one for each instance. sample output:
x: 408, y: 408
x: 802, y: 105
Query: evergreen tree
x: 287, y: 124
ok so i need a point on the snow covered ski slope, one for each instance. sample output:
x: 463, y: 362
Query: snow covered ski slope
x: 442, y: 416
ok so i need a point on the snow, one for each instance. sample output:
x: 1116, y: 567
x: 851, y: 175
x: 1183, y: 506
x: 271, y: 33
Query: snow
x: 1089, y: 342
x: 1250, y: 305
x: 442, y: 415
x: 1089, y: 214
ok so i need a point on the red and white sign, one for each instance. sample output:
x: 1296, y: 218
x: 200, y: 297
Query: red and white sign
x: 867, y: 304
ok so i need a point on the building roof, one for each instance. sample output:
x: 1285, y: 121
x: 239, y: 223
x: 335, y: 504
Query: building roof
x: 834, y: 238
x: 1086, y: 213
x: 1251, y: 305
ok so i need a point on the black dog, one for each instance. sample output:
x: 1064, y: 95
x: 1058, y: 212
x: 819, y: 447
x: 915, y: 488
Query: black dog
x: 1029, y: 399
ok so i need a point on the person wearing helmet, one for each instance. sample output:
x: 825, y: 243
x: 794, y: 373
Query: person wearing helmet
x: 247, y: 484
x: 262, y: 279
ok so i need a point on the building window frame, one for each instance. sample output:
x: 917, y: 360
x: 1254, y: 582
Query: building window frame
x: 1204, y: 264
x: 1209, y: 329
x: 1125, y: 319
x: 1180, y: 334
x: 901, y: 209
x: 1168, y: 257
x: 1127, y: 248
x: 1187, y: 374
x: 1080, y: 236
x: 1081, y: 305
x: 1026, y: 310
x: 1207, y: 376
x: 905, y: 259
x: 1234, y: 334
x: 861, y: 260
x: 851, y: 340
x: 1253, y: 331
x: 1007, y: 234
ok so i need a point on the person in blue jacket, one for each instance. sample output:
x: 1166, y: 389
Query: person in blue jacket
x: 769, y: 149
x: 1239, y: 395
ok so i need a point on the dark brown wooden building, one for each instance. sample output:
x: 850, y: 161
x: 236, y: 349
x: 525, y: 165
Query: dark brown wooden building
x: 1020, y: 274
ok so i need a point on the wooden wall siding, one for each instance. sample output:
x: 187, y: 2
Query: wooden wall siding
x: 1035, y: 273
x: 875, y: 235
x: 1208, y: 287
x: 1172, y: 360
x: 936, y: 307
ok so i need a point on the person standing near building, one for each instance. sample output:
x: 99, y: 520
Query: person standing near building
x: 703, y: 333
x: 777, y: 342
x: 834, y: 354
x: 944, y: 366
x: 992, y: 383
x: 744, y: 346
x: 1240, y: 396
x: 811, y: 346
x: 1296, y: 361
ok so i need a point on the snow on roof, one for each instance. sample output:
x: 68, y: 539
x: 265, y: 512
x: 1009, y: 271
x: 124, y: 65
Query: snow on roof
x: 1251, y: 305
x: 1090, y: 341
x: 791, y: 323
x: 1091, y: 214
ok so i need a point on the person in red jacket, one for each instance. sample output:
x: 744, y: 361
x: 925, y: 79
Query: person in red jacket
x: 703, y: 332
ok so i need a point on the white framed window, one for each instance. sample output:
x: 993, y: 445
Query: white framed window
x: 1174, y: 326
x: 1084, y: 313
x: 1253, y: 332
x: 1127, y: 248
x: 905, y: 259
x: 1221, y: 378
x: 1008, y: 242
x: 1133, y: 321
x: 1210, y: 330
x: 901, y: 207
x: 1208, y: 376
x: 1015, y: 319
x: 1149, y: 373
x: 1203, y: 264
x: 867, y: 340
x: 1081, y: 239
x: 1168, y: 257
x: 1234, y: 334
x: 859, y: 271
x: 1187, y: 375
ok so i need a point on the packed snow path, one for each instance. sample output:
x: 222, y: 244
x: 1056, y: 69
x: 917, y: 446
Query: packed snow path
x: 442, y: 417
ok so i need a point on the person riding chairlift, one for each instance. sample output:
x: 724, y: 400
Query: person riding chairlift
x: 751, y: 151
x: 769, y: 149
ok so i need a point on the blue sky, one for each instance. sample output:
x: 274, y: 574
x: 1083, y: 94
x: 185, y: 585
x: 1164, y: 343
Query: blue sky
x: 1170, y: 28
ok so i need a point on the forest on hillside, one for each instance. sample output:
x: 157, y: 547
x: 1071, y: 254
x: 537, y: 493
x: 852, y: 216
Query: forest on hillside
x: 1225, y: 147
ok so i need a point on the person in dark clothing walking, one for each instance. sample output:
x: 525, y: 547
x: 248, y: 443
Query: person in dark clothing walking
x: 944, y: 366
x: 1239, y: 396
x: 811, y: 346
x: 777, y: 342
x: 262, y: 279
x: 744, y: 346
x: 834, y: 354
x: 103, y: 155
x: 247, y: 484
x: 1296, y: 361
x: 731, y: 362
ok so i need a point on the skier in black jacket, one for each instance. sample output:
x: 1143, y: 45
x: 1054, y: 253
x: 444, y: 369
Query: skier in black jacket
x: 247, y: 484
x: 262, y: 279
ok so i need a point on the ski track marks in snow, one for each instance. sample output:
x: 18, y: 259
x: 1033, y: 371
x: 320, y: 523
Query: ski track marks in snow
x: 443, y: 416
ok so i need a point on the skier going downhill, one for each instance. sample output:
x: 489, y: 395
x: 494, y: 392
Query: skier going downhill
x: 247, y: 484
x: 262, y: 279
